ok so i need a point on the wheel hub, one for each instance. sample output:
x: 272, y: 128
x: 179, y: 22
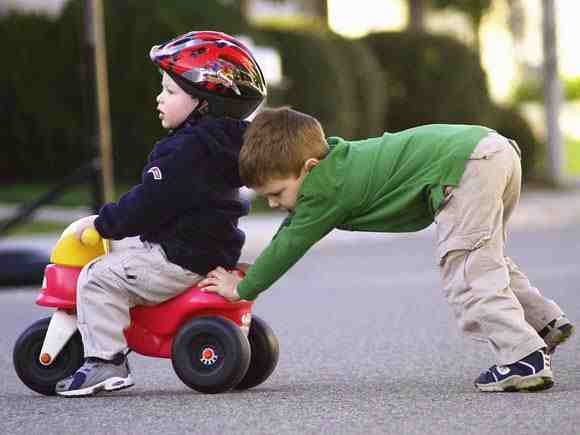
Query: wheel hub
x: 208, y: 356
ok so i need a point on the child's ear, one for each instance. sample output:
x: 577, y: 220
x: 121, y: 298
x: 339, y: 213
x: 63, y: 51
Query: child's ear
x: 310, y: 163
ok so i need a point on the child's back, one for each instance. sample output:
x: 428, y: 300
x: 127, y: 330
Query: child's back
x: 188, y: 199
x: 393, y: 182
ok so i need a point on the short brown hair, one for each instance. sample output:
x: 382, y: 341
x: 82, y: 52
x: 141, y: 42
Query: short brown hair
x: 277, y: 143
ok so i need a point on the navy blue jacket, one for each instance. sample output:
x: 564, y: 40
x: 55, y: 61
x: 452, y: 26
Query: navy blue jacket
x: 188, y: 200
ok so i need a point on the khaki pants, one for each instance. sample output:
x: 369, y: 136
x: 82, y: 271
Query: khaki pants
x: 110, y: 285
x: 490, y: 296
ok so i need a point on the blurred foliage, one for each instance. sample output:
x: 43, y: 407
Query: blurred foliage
x: 532, y: 90
x: 16, y: 193
x: 430, y: 79
x: 41, y: 103
x: 436, y: 79
x: 317, y: 77
x: 292, y: 22
x: 528, y: 91
x: 48, y: 107
x: 572, y: 156
x: 48, y: 101
x: 370, y: 86
x: 572, y: 88
x: 510, y: 123
x: 37, y: 227
x: 132, y: 28
x: 474, y: 9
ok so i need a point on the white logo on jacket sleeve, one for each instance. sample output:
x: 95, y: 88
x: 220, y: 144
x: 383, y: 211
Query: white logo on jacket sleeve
x: 156, y: 173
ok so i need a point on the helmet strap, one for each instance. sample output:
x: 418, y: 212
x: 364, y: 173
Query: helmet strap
x: 202, y: 107
x: 200, y: 111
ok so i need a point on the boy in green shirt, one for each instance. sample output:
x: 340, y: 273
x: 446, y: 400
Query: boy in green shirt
x: 465, y: 178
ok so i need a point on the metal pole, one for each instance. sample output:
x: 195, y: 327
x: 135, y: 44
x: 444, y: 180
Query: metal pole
x: 95, y: 9
x: 552, y: 94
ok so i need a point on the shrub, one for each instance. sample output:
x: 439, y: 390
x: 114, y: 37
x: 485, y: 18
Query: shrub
x: 370, y: 86
x: 510, y: 123
x: 317, y: 79
x: 40, y: 102
x: 132, y: 28
x: 48, y: 103
x: 431, y: 79
x: 533, y: 90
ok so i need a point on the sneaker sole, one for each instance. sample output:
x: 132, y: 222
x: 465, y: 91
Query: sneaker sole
x: 112, y: 384
x: 538, y: 382
x: 559, y: 337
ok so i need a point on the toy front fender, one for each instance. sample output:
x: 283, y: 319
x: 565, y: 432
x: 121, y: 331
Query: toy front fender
x: 59, y: 287
x: 60, y: 329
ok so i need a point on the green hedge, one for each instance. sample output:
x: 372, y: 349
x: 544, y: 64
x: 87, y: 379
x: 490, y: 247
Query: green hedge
x: 317, y: 79
x: 132, y: 27
x: 41, y: 106
x: 510, y: 123
x: 436, y: 79
x: 47, y: 114
x: 533, y: 90
x: 48, y: 119
x: 431, y: 79
x: 370, y: 86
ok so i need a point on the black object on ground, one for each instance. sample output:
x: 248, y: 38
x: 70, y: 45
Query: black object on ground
x: 22, y: 266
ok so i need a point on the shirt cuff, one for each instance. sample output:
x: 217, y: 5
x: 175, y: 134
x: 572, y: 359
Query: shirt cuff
x: 245, y: 293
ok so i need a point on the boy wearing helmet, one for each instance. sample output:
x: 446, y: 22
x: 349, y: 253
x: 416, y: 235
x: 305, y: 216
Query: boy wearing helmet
x: 185, y: 209
x: 465, y: 178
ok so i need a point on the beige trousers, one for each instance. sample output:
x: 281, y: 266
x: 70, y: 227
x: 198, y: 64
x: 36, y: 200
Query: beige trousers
x: 490, y: 296
x: 110, y: 285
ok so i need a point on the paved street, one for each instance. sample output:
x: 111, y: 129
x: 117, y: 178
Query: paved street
x: 368, y: 345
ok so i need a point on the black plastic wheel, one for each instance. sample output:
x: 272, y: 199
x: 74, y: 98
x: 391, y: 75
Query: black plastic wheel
x: 210, y: 354
x: 265, y: 352
x: 36, y: 376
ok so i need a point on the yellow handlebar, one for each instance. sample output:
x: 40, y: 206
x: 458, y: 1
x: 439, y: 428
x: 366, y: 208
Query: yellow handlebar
x: 90, y: 237
x: 70, y: 251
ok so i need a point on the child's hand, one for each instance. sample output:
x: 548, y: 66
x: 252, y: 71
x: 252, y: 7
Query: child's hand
x: 222, y: 282
x: 243, y: 266
x: 83, y: 224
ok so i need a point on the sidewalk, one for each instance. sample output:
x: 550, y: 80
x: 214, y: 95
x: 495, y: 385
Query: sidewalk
x: 537, y: 209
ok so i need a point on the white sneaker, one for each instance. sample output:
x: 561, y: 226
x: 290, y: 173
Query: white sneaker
x: 96, y: 375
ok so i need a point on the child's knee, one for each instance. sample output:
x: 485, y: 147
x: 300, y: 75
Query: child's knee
x: 471, y: 274
x: 96, y: 274
x: 486, y: 271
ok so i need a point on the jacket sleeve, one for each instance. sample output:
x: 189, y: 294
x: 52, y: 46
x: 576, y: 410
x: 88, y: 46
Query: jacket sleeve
x: 314, y: 217
x: 173, y: 183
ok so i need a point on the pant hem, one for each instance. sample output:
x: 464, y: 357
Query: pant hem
x: 103, y: 355
x: 521, y: 351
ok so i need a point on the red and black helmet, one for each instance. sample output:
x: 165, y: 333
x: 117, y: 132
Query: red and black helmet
x: 215, y: 67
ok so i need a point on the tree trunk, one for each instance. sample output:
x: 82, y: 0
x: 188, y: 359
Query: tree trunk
x: 476, y: 26
x: 96, y: 40
x: 416, y: 15
x: 321, y: 9
x: 244, y: 8
x: 552, y: 94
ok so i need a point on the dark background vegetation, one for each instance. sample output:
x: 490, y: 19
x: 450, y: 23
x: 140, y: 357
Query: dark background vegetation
x: 357, y: 88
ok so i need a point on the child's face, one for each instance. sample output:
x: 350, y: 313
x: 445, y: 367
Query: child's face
x: 283, y: 192
x: 173, y: 103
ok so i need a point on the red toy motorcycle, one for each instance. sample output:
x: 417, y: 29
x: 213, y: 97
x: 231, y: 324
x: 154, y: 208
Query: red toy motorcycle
x: 214, y: 345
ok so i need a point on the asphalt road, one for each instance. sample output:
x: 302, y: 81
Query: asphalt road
x: 368, y: 345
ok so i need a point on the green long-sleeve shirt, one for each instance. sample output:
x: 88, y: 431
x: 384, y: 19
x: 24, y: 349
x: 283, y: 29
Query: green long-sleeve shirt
x: 393, y: 183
